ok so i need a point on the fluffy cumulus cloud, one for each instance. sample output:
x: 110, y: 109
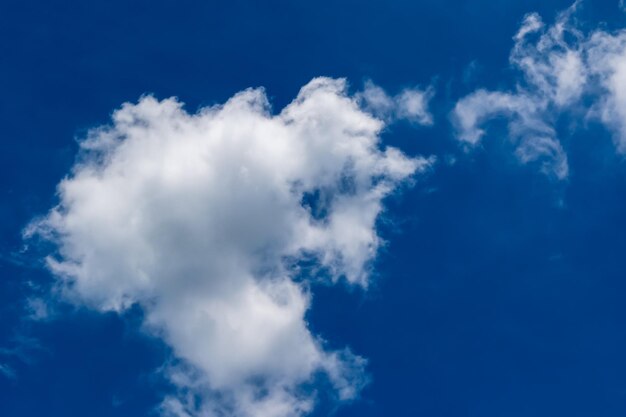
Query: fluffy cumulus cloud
x: 204, y: 220
x: 560, y: 67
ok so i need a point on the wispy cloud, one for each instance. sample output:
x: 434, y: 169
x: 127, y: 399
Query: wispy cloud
x: 410, y: 104
x: 560, y: 66
x: 19, y: 350
x: 7, y: 371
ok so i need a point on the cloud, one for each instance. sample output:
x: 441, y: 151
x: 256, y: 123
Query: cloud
x: 38, y: 309
x: 607, y: 63
x: 411, y: 104
x: 553, y: 76
x: 22, y: 350
x: 203, y: 220
x: 7, y: 372
x: 562, y: 70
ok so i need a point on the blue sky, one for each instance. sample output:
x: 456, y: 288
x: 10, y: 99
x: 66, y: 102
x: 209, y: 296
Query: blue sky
x: 238, y: 259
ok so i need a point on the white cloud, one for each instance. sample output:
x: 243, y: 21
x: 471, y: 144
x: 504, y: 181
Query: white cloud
x: 607, y: 62
x: 563, y: 69
x: 553, y: 77
x: 552, y: 64
x: 38, y: 309
x: 202, y: 219
x: 411, y: 104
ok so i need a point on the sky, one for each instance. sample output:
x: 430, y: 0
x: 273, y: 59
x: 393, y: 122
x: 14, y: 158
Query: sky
x: 289, y: 208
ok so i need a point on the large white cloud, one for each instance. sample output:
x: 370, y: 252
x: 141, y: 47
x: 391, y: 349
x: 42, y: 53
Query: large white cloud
x: 562, y: 69
x: 202, y: 219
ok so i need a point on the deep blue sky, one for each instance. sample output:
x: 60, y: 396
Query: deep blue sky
x: 500, y: 292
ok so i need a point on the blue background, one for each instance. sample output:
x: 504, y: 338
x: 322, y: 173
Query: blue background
x: 501, y: 293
